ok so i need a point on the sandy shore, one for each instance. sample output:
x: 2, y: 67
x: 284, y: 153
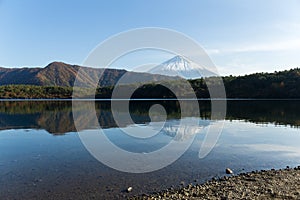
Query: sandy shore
x: 272, y: 184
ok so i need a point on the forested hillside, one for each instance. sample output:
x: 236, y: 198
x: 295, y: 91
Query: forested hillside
x: 281, y: 85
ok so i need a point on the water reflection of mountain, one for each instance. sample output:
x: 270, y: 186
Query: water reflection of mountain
x: 56, y: 116
x: 185, y: 131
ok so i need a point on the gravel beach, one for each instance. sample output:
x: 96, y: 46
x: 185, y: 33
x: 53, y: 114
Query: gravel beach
x: 271, y: 184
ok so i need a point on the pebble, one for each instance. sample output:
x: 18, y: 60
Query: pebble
x: 228, y: 171
x: 129, y: 189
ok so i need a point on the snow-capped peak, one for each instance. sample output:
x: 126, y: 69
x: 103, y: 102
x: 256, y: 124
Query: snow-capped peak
x: 180, y: 66
x: 178, y: 63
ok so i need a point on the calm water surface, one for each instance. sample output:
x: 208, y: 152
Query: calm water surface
x: 42, y: 156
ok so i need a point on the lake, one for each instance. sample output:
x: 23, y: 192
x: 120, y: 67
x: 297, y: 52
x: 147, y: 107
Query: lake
x: 42, y: 156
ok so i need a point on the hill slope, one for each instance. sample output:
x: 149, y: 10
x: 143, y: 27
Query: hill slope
x: 62, y: 74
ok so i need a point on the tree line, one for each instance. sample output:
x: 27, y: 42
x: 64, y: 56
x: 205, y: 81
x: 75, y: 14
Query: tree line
x: 281, y: 85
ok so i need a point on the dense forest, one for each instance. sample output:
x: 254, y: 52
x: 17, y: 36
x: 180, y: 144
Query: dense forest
x: 281, y: 85
x: 34, y: 92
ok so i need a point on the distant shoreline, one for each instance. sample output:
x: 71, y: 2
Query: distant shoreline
x: 277, y: 85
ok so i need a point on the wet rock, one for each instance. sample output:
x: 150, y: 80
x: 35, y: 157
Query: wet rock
x: 228, y: 171
x: 129, y: 189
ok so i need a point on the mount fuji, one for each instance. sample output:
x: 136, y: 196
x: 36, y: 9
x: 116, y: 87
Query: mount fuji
x: 179, y: 66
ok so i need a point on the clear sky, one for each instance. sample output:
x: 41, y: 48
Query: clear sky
x: 241, y: 36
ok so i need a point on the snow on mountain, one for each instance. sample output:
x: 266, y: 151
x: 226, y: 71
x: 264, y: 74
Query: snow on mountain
x: 180, y: 66
x: 184, y: 131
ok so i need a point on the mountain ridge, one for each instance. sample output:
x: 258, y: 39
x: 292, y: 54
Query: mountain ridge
x: 63, y: 74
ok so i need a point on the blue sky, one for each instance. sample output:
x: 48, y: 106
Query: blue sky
x: 240, y: 36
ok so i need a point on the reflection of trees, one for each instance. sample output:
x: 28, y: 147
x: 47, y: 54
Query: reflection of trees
x: 56, y: 116
x: 280, y: 112
x: 53, y: 116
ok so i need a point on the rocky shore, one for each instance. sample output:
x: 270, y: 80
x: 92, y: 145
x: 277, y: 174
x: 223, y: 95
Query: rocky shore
x: 271, y: 184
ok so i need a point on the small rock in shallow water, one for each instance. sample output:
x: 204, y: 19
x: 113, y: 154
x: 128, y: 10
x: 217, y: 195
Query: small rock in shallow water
x: 228, y: 171
x: 129, y: 189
